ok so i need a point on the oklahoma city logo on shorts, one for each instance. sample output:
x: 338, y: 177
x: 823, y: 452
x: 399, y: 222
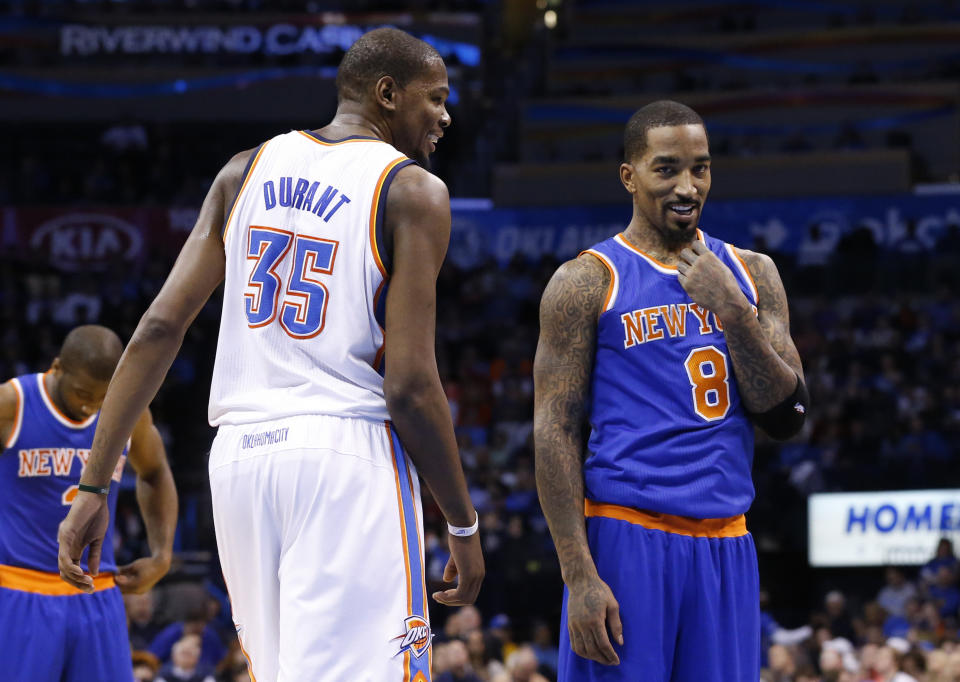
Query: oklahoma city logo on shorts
x: 417, y: 637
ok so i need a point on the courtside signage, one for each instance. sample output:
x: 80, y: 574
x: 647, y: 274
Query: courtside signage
x: 877, y: 529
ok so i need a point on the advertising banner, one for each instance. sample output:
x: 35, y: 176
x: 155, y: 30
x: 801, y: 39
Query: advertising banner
x: 882, y: 528
x: 75, y: 238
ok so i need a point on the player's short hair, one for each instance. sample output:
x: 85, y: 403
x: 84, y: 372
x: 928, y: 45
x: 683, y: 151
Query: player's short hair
x: 378, y: 53
x: 92, y: 349
x: 657, y: 114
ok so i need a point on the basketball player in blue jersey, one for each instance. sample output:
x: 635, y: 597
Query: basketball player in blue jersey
x: 50, y: 631
x: 671, y: 345
x: 325, y: 392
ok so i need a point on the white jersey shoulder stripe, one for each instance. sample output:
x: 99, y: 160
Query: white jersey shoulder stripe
x: 744, y: 272
x: 614, y: 287
x: 18, y: 419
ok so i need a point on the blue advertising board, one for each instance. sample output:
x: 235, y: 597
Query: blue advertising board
x: 480, y: 232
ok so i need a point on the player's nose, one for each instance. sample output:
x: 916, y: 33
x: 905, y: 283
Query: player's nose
x: 445, y: 119
x: 685, y: 187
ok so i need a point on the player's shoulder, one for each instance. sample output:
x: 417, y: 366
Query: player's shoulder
x: 233, y: 170
x: 761, y: 266
x: 754, y: 258
x: 418, y: 192
x: 582, y: 281
x: 416, y: 180
x: 9, y: 401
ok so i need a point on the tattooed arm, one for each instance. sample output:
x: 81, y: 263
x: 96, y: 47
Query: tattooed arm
x: 765, y: 361
x: 568, y: 325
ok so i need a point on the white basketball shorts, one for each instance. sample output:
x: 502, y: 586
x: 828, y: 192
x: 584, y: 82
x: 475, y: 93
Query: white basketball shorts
x: 318, y: 524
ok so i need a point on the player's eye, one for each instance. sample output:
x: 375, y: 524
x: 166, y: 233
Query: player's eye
x: 663, y: 170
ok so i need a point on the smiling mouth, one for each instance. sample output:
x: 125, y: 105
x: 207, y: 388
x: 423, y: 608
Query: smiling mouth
x: 682, y: 210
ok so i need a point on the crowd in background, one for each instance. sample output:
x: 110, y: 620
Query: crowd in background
x: 878, y: 331
x: 882, y: 360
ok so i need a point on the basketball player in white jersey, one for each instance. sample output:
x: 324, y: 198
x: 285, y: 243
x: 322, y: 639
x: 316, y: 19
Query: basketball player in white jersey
x: 327, y: 410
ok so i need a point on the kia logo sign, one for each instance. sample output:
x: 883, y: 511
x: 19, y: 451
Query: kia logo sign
x: 86, y: 240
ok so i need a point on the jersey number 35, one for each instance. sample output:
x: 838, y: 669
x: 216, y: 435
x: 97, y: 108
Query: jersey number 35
x: 303, y: 306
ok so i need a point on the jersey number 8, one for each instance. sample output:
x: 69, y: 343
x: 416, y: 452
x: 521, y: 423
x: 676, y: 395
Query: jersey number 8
x: 303, y: 309
x: 707, y: 370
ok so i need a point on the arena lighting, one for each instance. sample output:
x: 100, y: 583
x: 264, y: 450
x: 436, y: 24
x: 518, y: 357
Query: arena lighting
x: 550, y: 19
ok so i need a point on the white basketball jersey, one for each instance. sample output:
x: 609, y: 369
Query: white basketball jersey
x: 300, y: 332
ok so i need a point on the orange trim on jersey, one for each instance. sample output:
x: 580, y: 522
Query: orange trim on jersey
x: 403, y: 535
x: 334, y: 144
x: 646, y: 255
x: 373, y: 212
x: 613, y: 276
x: 753, y: 282
x: 64, y: 419
x: 732, y: 527
x: 18, y: 417
x: 41, y: 582
x: 243, y: 186
x: 243, y: 651
x: 423, y: 570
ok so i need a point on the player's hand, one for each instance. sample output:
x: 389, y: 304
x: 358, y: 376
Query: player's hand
x: 139, y: 576
x: 591, y: 609
x: 85, y: 525
x: 466, y: 563
x: 709, y: 282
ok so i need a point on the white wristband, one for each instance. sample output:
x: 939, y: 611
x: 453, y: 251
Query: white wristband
x: 466, y: 531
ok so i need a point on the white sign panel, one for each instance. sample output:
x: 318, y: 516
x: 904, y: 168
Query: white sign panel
x: 875, y: 529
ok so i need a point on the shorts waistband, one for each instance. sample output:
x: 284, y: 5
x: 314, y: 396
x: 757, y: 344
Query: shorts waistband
x: 731, y: 527
x: 41, y: 582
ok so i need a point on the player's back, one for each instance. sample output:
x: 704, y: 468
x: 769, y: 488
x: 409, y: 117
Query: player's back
x: 669, y: 432
x: 302, y: 324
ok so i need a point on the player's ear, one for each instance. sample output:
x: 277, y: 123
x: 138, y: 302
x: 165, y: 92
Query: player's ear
x: 386, y: 93
x: 56, y: 366
x: 627, y: 173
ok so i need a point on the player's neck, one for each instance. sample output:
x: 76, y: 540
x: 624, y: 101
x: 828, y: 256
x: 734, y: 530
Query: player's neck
x: 351, y: 120
x: 652, y: 242
x: 52, y: 385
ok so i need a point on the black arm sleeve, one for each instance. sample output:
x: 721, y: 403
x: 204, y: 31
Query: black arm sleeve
x: 785, y: 420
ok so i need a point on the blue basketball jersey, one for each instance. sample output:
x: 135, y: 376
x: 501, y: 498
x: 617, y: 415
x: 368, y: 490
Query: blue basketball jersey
x: 669, y: 433
x: 40, y: 468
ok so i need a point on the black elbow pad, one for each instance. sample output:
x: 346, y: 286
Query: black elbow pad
x: 786, y: 419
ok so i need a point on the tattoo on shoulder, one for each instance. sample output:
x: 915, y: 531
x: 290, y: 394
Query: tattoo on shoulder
x: 572, y: 301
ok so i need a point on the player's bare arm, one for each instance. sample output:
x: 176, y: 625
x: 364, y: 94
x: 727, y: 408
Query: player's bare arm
x: 157, y: 499
x: 199, y: 269
x: 765, y: 360
x: 569, y: 309
x: 418, y: 226
x: 8, y: 410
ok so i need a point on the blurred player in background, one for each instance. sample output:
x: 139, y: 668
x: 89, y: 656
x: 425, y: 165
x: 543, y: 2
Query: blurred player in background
x: 51, y: 631
x: 671, y: 344
x: 325, y: 389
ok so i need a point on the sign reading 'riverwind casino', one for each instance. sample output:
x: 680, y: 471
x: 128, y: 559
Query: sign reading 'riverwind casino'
x: 876, y: 529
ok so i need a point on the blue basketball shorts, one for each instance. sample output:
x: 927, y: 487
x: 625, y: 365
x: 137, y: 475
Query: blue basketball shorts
x: 688, y: 596
x: 64, y: 637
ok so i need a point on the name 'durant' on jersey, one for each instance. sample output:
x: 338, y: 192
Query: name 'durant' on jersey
x: 302, y: 196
